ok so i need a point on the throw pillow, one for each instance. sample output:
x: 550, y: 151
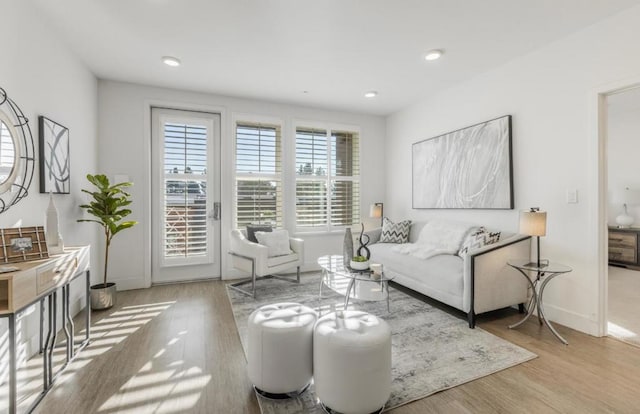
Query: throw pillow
x: 477, y: 238
x: 277, y: 241
x: 395, y: 232
x: 251, y: 232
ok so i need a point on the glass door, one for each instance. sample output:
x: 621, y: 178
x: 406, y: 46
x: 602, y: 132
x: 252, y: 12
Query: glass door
x: 185, y: 195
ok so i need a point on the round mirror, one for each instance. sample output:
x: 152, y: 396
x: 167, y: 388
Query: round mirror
x: 9, y: 154
x: 16, y: 153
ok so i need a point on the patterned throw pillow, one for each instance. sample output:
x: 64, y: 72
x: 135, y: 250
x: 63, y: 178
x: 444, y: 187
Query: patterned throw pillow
x: 395, y: 232
x: 477, y: 238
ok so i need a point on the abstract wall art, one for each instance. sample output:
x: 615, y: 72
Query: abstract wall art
x: 470, y: 168
x: 55, y: 169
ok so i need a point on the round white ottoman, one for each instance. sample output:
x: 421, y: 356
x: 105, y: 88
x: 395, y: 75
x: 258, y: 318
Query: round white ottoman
x: 280, y: 348
x: 352, y: 362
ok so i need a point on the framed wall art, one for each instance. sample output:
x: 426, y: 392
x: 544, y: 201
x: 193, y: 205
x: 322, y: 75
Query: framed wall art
x: 21, y: 244
x: 470, y: 168
x: 55, y: 168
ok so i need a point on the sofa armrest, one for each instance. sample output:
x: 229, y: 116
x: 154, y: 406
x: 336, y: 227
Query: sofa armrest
x: 374, y: 235
x: 489, y: 283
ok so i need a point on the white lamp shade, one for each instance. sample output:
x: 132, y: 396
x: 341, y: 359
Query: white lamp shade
x: 533, y: 223
x: 625, y: 196
x: 375, y: 211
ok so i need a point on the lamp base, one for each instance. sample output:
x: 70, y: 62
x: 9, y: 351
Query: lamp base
x: 624, y: 221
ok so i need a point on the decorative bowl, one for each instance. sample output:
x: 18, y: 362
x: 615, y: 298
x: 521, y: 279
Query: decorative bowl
x: 359, y: 265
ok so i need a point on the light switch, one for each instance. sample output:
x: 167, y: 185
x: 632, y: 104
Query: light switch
x: 572, y: 196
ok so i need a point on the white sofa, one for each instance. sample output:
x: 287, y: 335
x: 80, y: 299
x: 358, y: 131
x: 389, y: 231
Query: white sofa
x: 480, y: 282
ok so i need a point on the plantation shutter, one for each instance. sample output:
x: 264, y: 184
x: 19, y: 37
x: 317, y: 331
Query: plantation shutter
x: 185, y: 212
x: 311, y: 183
x: 345, y: 168
x: 327, y: 178
x: 258, y: 174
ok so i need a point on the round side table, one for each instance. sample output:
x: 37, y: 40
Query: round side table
x: 543, y: 274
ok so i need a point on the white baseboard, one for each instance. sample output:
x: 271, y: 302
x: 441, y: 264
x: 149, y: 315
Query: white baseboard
x: 571, y: 319
x: 130, y: 284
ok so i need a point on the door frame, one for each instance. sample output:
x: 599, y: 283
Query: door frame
x: 598, y: 179
x: 147, y: 181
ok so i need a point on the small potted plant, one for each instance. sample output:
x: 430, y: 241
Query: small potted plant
x: 108, y: 206
x: 359, y: 263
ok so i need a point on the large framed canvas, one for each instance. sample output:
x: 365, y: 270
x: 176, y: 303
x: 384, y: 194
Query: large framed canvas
x: 55, y: 169
x: 468, y: 168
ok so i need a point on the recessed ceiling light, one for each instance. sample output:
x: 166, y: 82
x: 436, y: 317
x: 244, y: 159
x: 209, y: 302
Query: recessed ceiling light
x: 171, y: 61
x: 433, y: 54
x: 371, y: 94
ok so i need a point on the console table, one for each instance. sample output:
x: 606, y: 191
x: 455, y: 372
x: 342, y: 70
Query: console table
x: 543, y: 274
x: 37, y: 281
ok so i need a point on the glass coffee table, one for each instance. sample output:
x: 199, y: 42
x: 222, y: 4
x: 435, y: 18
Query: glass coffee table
x: 357, y: 284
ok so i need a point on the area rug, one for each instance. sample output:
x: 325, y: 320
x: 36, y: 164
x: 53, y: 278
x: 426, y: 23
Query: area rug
x: 431, y: 349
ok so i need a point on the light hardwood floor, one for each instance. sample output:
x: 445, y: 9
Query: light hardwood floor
x: 175, y: 349
x: 624, y: 304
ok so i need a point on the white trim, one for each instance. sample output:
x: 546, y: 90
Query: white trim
x: 598, y: 186
x: 329, y: 128
x: 259, y: 119
x: 575, y: 320
x: 224, y: 134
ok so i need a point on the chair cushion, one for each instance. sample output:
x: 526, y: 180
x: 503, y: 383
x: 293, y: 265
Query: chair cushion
x: 277, y: 242
x: 251, y: 232
x: 280, y: 260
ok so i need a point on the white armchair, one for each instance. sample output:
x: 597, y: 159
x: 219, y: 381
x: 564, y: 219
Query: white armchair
x: 253, y: 258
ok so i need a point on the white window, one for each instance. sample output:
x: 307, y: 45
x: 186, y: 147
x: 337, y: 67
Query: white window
x: 185, y: 188
x: 185, y: 212
x: 327, y: 179
x: 258, y: 174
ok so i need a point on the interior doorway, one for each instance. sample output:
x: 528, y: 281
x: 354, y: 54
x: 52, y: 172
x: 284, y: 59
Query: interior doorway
x: 623, y: 214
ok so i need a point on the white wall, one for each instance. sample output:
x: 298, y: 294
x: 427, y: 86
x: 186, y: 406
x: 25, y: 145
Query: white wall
x: 44, y: 78
x: 124, y: 142
x: 548, y: 93
x: 623, y: 148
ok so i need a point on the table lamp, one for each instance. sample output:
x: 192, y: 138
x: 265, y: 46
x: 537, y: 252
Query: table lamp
x: 534, y: 223
x: 376, y: 211
x: 625, y: 197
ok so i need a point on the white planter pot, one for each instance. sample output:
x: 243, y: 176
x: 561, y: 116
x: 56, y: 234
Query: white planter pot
x: 359, y: 265
x: 103, y: 297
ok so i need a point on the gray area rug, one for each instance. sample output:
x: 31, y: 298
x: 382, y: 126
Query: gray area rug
x: 431, y: 350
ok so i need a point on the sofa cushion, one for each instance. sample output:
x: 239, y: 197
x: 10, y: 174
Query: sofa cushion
x: 280, y: 260
x: 395, y: 232
x: 442, y: 273
x: 477, y: 238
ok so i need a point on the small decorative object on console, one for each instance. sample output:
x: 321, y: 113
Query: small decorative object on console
x: 52, y: 233
x: 21, y: 244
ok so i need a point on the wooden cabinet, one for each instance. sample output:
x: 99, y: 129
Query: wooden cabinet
x: 623, y: 247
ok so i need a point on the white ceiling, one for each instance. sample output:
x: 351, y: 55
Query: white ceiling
x: 334, y: 49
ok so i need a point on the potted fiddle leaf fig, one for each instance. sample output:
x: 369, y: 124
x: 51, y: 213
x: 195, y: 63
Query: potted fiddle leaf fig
x: 109, y: 207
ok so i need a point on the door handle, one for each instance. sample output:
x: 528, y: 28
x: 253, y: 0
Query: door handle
x: 217, y: 211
